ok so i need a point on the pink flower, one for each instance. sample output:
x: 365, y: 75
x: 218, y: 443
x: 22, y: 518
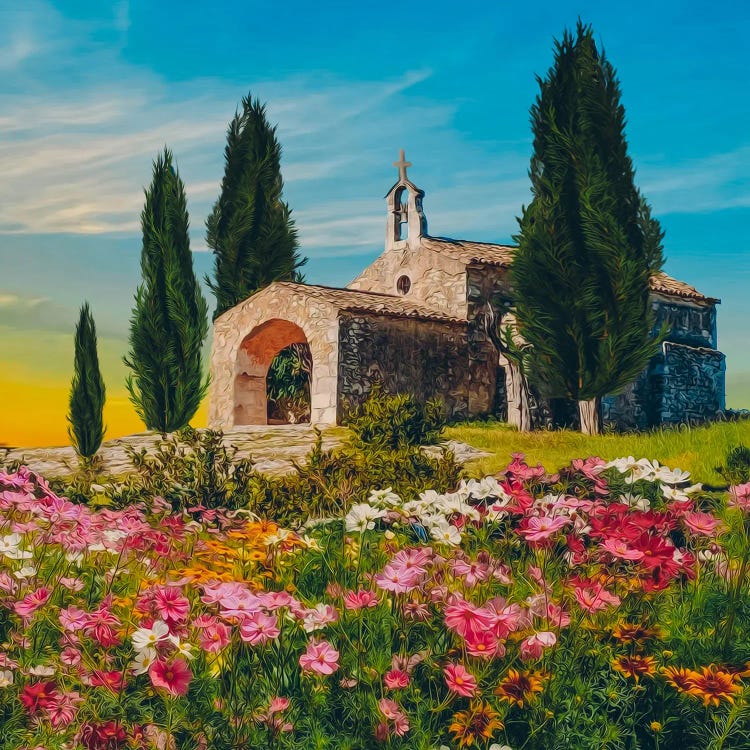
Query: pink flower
x: 399, y: 580
x: 73, y: 619
x: 595, y: 597
x: 31, y: 602
x: 318, y: 617
x: 739, y: 497
x: 620, y: 548
x: 62, y: 708
x: 214, y: 637
x: 536, y: 529
x: 483, y: 644
x: 395, y: 679
x: 533, y: 646
x: 459, y: 680
x: 320, y: 657
x: 173, y: 677
x: 258, y: 628
x: 702, y: 523
x: 360, y: 599
x: 471, y: 571
x: 70, y: 656
x: 278, y: 704
x: 464, y: 618
x: 100, y: 625
x: 171, y: 605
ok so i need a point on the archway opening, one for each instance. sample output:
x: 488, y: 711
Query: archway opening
x: 255, y: 356
x: 288, y: 385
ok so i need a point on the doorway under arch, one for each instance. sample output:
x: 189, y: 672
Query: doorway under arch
x: 254, y: 357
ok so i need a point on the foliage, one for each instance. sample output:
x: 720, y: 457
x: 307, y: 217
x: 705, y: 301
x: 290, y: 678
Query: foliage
x: 87, y: 391
x: 250, y: 229
x: 392, y: 422
x: 599, y: 606
x: 169, y: 321
x: 288, y: 383
x: 330, y: 481
x: 736, y: 469
x: 587, y: 242
x: 188, y: 469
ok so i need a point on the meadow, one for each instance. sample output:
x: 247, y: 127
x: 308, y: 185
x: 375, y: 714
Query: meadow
x: 698, y: 450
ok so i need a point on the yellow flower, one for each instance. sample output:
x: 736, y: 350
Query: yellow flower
x: 479, y: 722
x: 656, y: 727
x: 712, y: 685
x: 635, y: 666
x: 519, y: 687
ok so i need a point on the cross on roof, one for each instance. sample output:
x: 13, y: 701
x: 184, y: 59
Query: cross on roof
x: 402, y: 164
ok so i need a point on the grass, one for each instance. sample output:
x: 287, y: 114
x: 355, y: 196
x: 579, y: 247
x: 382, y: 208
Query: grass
x: 695, y: 449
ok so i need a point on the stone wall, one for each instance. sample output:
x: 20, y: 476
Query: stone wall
x: 694, y: 384
x: 638, y: 407
x: 436, y: 280
x: 426, y: 358
x: 689, y: 323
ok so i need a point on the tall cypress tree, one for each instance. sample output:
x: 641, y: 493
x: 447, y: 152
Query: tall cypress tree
x: 87, y: 391
x: 170, y: 317
x: 587, y: 241
x: 250, y: 229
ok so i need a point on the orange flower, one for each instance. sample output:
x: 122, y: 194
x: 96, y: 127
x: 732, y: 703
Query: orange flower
x: 631, y: 632
x: 517, y: 687
x: 712, y: 685
x: 678, y: 677
x: 479, y: 722
x: 635, y: 666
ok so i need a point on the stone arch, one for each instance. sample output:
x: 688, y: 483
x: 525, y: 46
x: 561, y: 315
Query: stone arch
x: 254, y: 356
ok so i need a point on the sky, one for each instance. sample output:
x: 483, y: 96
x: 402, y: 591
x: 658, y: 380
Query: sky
x: 90, y: 92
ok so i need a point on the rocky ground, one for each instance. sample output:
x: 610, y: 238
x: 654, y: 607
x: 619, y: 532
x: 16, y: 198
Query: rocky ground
x: 272, y: 448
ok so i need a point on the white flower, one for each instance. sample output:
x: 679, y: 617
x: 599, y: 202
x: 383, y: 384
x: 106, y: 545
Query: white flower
x: 455, y: 502
x: 623, y: 465
x: 384, y: 497
x: 184, y: 649
x: 143, y: 660
x: 311, y: 543
x: 144, y: 638
x: 484, y: 488
x: 9, y: 546
x: 430, y: 498
x: 671, y: 476
x: 74, y: 558
x: 638, y: 502
x: 277, y: 536
x: 6, y: 678
x: 362, y: 517
x: 40, y: 670
x: 446, y: 533
x: 26, y: 572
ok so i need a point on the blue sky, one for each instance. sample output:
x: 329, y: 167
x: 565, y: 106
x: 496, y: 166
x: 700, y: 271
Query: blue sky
x: 91, y: 91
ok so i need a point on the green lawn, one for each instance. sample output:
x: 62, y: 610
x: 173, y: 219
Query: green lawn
x: 697, y: 450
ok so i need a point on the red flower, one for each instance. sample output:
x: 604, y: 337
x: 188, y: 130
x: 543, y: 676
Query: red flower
x: 174, y: 677
x: 107, y: 736
x: 38, y: 696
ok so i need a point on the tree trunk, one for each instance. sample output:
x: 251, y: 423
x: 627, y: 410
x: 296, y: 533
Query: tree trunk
x: 590, y: 413
x: 519, y: 414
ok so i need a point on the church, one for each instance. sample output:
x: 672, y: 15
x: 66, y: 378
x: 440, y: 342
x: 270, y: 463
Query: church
x: 412, y: 321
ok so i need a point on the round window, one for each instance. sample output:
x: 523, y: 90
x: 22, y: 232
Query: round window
x: 403, y: 284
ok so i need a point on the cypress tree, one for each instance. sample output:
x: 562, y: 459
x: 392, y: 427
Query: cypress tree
x: 250, y: 229
x: 587, y: 242
x: 170, y: 316
x: 87, y: 392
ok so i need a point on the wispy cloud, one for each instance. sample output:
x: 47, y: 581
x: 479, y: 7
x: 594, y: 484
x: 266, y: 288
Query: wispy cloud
x: 709, y: 183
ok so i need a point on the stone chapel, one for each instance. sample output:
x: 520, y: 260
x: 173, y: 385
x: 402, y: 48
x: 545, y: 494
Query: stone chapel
x: 411, y: 320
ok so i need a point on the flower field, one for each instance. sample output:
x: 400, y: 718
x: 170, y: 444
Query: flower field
x: 603, y: 606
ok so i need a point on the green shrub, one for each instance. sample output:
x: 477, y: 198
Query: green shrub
x: 329, y: 481
x: 385, y: 421
x: 736, y: 469
x: 187, y: 468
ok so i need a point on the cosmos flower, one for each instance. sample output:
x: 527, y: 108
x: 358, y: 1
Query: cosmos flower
x: 459, y: 680
x: 174, y: 676
x: 320, y: 657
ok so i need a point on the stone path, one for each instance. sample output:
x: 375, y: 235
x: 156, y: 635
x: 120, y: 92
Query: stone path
x: 272, y: 448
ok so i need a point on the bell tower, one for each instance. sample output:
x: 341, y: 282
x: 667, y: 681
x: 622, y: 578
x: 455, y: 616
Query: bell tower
x: 406, y: 220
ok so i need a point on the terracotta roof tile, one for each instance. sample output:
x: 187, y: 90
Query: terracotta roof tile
x: 468, y: 252
x: 352, y: 300
x: 502, y: 255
